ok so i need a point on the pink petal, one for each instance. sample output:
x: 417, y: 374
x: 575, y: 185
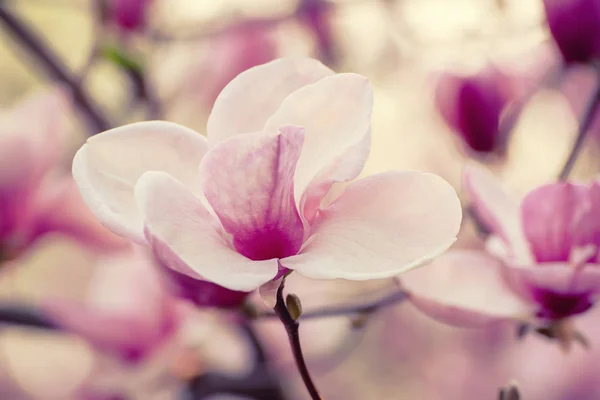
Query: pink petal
x: 560, y: 290
x: 496, y: 209
x: 188, y: 239
x: 42, y: 120
x: 107, y: 167
x: 31, y: 140
x: 127, y: 309
x: 557, y: 277
x: 588, y: 226
x: 248, y: 181
x: 381, y: 226
x: 464, y: 288
x: 335, y: 113
x: 550, y: 219
x: 254, y: 95
x: 61, y: 209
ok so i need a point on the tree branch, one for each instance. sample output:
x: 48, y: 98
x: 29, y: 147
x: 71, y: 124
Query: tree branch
x: 584, y: 127
x: 54, y: 67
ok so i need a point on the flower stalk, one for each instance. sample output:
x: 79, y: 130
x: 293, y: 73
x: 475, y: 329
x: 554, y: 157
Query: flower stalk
x: 54, y: 67
x: 291, y: 327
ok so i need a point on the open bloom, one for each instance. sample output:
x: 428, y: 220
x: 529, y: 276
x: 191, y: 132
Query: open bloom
x: 542, y: 258
x: 575, y: 27
x: 36, y: 198
x: 472, y: 105
x: 247, y: 202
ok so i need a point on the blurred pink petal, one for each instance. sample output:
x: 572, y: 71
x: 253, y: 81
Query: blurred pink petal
x: 551, y: 216
x: 496, y: 209
x: 381, y: 226
x: 127, y: 311
x: 248, y: 180
x: 558, y: 289
x: 465, y: 288
x: 62, y: 210
x: 253, y: 96
x: 335, y: 113
x: 31, y: 140
x: 187, y: 238
x: 241, y: 47
x: 107, y: 167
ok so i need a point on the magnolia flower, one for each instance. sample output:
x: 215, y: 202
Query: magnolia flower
x: 128, y: 311
x: 575, y: 27
x: 542, y: 258
x: 36, y: 198
x: 245, y: 205
x: 472, y: 105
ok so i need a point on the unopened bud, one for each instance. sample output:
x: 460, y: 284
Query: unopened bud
x: 575, y: 27
x: 294, y: 306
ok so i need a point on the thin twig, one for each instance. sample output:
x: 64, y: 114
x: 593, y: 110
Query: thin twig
x: 291, y: 327
x: 53, y: 66
x: 20, y: 315
x: 584, y: 127
x: 340, y: 311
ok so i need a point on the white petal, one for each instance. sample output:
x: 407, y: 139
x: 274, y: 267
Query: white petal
x: 381, y: 226
x: 335, y: 113
x: 107, y: 167
x: 245, y: 104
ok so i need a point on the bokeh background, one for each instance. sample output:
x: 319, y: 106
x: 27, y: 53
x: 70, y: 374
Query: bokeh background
x: 188, y: 52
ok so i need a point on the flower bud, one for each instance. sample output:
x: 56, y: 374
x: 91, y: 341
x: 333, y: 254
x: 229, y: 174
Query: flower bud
x: 575, y: 27
x: 129, y: 15
x: 472, y: 105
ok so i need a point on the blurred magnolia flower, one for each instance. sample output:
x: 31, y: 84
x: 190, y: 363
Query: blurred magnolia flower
x: 36, y: 198
x: 575, y: 27
x: 128, y: 15
x: 472, y: 106
x: 542, y: 259
x: 128, y: 311
x: 243, y: 206
x: 127, y: 338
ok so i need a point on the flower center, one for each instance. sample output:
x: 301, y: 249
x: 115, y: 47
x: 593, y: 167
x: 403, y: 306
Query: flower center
x: 268, y: 242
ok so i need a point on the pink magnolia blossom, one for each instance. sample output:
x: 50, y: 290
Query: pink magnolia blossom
x: 36, y: 198
x: 245, y: 204
x: 541, y: 260
x: 128, y: 311
x: 472, y: 105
